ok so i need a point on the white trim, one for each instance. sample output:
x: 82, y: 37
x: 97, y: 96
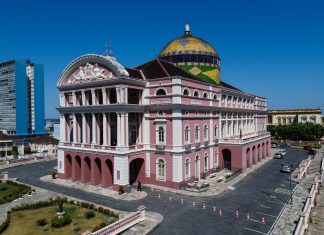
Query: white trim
x: 158, y: 177
x: 60, y: 161
x: 177, y: 168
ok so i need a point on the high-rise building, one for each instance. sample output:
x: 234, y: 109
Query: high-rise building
x: 21, y: 97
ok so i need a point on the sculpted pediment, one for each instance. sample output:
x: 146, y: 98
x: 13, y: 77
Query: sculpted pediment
x: 90, y: 68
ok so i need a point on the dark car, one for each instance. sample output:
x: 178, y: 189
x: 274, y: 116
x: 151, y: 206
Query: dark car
x: 285, y: 168
x: 312, y: 152
x: 308, y: 147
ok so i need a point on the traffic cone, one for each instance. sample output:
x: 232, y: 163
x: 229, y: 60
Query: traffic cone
x: 193, y: 204
x: 263, y: 220
x: 220, y: 212
x: 151, y: 189
x: 225, y: 190
x: 170, y: 199
x: 204, y: 206
x: 247, y: 216
x: 181, y: 201
x: 214, y: 209
x: 159, y: 196
x: 237, y: 214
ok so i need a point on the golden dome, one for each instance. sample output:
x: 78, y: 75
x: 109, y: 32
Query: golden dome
x: 194, y: 55
x: 188, y: 44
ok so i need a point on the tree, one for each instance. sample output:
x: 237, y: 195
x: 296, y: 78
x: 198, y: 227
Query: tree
x: 14, y: 151
x: 27, y: 149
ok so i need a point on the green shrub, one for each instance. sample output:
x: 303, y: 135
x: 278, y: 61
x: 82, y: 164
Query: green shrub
x: 89, y: 214
x: 3, y: 188
x: 41, y: 222
x: 91, y: 206
x: 77, y: 229
x: 60, y: 222
x: 100, y: 209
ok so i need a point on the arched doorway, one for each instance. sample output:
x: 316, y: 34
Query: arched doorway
x: 259, y: 152
x: 96, y: 172
x: 254, y: 154
x: 267, y: 149
x: 76, y: 170
x: 136, y: 170
x: 68, y: 166
x: 197, y: 167
x: 86, y: 170
x: 247, y: 155
x: 227, y: 155
x: 107, y: 174
x: 263, y: 151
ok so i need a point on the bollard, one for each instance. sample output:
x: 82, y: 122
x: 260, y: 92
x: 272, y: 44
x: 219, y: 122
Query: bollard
x: 220, y: 212
x: 204, y: 206
x: 214, y: 209
x: 159, y: 196
x: 225, y: 190
x: 262, y: 220
x: 151, y: 189
x: 193, y: 204
x: 237, y: 214
x: 181, y: 201
x: 170, y: 199
x: 248, y: 216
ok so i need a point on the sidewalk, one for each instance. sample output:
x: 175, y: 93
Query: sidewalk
x: 287, y: 222
x: 31, y: 161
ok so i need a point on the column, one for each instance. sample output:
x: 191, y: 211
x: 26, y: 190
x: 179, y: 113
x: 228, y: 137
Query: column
x: 126, y: 95
x: 74, y: 98
x: 104, y: 126
x: 108, y: 95
x: 84, y: 129
x: 74, y: 128
x: 94, y: 129
x: 122, y: 129
x: 62, y: 128
x: 108, y: 130
x: 139, y: 139
x: 118, y: 129
x: 93, y: 96
x: 118, y: 95
x: 83, y: 97
x: 104, y: 96
x: 126, y: 130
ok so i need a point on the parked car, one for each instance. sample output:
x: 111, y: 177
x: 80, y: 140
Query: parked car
x: 312, y: 152
x: 285, y: 168
x: 286, y: 145
x: 273, y: 145
x: 282, y: 152
x: 277, y: 156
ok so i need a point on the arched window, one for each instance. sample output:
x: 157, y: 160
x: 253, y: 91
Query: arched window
x: 215, y: 132
x: 186, y: 92
x: 206, y: 162
x: 161, y: 134
x: 196, y: 94
x: 215, y: 97
x: 197, y: 134
x: 187, y: 168
x: 161, y: 169
x: 160, y: 92
x: 205, y: 132
x: 205, y: 95
x: 187, y: 135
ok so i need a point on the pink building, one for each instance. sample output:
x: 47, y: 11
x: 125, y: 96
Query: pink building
x: 162, y: 123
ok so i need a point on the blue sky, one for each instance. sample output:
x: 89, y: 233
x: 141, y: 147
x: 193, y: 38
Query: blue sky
x: 271, y: 48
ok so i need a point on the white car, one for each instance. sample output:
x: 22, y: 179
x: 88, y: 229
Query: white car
x: 277, y: 156
x: 282, y: 152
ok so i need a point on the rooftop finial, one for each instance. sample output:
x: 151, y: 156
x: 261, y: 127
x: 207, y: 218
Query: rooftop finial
x: 187, y: 28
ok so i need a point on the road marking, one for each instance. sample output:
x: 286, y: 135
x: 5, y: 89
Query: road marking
x: 267, y: 214
x: 273, y: 196
x: 268, y: 207
x: 276, y: 202
x: 255, y: 221
x: 282, y: 191
x: 256, y: 231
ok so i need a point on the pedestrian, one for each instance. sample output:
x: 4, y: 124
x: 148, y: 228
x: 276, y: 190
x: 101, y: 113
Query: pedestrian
x: 139, y: 186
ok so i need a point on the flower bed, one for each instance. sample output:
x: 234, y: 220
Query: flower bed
x: 10, y: 191
x: 41, y: 217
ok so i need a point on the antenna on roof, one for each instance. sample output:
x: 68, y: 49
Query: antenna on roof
x: 108, y: 46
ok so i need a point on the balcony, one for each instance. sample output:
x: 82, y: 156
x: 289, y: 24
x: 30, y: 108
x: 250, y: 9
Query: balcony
x: 245, y: 139
x: 206, y: 142
x: 197, y: 145
x: 160, y: 147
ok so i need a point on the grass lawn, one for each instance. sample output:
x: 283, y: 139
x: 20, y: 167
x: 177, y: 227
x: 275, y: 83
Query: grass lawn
x: 24, y: 222
x: 9, y: 191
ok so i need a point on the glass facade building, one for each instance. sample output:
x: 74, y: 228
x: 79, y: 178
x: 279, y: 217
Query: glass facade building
x: 21, y: 97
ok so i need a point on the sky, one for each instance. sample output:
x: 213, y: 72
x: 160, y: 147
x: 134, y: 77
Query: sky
x: 274, y: 49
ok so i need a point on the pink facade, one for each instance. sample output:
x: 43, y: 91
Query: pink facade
x: 120, y: 126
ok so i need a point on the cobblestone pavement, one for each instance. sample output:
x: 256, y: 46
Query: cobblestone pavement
x: 290, y: 215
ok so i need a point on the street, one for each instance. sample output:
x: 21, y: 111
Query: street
x: 263, y: 193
